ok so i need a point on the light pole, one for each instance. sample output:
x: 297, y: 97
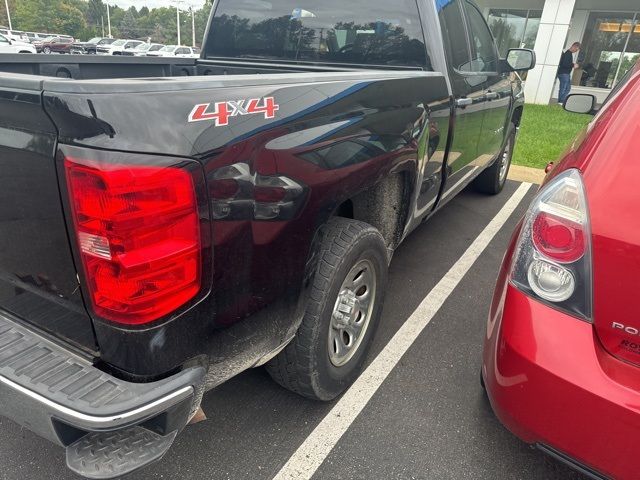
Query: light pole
x: 177, y: 4
x: 108, y: 20
x: 6, y: 4
x: 193, y: 27
x: 178, y: 22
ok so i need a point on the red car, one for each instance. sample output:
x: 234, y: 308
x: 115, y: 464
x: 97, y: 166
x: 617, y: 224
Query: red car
x: 561, y: 359
x: 55, y: 44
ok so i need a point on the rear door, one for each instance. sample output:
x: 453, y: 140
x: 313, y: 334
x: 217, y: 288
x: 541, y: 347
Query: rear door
x: 497, y: 87
x: 38, y: 281
x: 468, y: 91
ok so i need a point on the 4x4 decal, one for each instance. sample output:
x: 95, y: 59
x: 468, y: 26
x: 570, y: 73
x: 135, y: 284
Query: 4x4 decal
x: 221, y: 112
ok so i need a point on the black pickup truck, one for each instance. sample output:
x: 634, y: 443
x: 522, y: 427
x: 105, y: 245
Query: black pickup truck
x: 168, y: 223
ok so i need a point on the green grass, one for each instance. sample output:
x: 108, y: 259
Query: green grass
x: 545, y: 132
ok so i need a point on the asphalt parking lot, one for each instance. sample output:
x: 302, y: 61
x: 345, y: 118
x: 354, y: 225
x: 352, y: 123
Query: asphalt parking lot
x: 429, y: 419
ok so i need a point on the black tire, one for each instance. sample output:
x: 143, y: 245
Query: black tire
x: 492, y: 180
x: 305, y: 366
x: 46, y: 50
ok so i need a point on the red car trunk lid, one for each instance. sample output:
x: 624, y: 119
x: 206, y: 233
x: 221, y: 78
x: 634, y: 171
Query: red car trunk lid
x: 612, y: 175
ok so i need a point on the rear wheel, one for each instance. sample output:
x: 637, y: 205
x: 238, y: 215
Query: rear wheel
x: 492, y: 180
x: 341, y: 316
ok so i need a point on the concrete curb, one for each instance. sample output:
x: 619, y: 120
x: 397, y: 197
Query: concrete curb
x: 526, y: 174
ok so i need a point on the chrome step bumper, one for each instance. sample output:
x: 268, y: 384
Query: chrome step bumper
x: 64, y: 398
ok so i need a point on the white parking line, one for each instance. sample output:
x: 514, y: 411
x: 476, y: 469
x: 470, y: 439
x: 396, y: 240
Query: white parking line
x: 317, y: 446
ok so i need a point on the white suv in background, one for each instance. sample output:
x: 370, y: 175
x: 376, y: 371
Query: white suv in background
x: 15, y: 46
x: 16, y: 35
x: 176, y: 51
x: 118, y: 47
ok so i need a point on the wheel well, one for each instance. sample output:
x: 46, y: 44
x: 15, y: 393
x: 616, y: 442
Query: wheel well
x: 381, y: 206
x: 63, y: 73
x: 517, y: 116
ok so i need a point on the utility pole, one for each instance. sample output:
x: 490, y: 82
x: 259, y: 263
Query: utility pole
x: 109, y: 20
x: 6, y: 4
x: 193, y: 27
x: 178, y: 22
x: 102, y: 23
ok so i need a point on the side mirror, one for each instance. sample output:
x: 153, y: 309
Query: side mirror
x: 580, y: 103
x: 520, y: 59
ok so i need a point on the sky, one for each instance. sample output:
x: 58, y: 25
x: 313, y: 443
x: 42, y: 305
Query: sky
x: 156, y: 3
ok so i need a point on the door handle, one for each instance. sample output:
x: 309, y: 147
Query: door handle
x: 464, y: 102
x: 492, y: 96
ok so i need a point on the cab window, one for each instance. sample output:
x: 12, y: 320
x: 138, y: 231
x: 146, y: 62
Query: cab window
x: 455, y: 39
x: 357, y: 32
x: 484, y: 56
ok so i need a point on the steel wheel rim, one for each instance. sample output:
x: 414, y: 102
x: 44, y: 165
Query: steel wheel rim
x: 352, y: 312
x: 505, y: 160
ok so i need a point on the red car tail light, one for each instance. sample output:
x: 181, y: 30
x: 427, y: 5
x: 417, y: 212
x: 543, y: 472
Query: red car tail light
x: 558, y: 238
x: 138, y: 233
x: 552, y: 260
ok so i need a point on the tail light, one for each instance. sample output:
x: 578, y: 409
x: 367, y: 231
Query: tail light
x: 552, y: 260
x: 138, y: 233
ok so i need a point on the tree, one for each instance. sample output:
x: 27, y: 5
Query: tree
x: 59, y: 16
x: 128, y: 26
x: 83, y: 19
x: 3, y: 14
x: 96, y: 11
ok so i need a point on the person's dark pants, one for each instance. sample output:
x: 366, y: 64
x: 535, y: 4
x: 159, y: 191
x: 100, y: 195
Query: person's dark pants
x: 565, y: 87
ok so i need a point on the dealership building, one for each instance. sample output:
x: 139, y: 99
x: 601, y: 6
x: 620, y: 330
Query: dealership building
x: 609, y: 32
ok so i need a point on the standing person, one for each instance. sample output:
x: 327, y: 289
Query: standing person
x: 564, y: 71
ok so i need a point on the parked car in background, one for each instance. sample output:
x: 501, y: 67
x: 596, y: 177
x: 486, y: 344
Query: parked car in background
x: 15, y: 46
x: 176, y: 51
x: 89, y: 47
x: 14, y: 35
x: 118, y: 46
x: 143, y: 49
x: 54, y: 45
x: 38, y: 37
x: 562, y: 351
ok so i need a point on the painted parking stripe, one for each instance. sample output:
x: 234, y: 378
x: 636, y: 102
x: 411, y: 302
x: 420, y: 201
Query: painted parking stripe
x: 317, y: 446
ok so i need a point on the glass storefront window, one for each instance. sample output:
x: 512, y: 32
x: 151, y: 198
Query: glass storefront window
x: 632, y: 52
x: 531, y: 30
x: 610, y: 47
x: 514, y: 28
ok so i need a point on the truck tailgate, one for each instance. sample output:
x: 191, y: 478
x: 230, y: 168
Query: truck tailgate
x: 38, y: 281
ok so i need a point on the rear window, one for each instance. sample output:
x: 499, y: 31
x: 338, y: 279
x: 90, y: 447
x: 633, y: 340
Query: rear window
x: 365, y: 32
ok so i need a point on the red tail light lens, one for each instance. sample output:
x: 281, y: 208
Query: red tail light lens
x: 139, y: 237
x: 558, y: 238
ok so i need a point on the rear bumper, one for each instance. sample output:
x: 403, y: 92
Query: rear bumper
x: 64, y: 398
x: 552, y: 384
